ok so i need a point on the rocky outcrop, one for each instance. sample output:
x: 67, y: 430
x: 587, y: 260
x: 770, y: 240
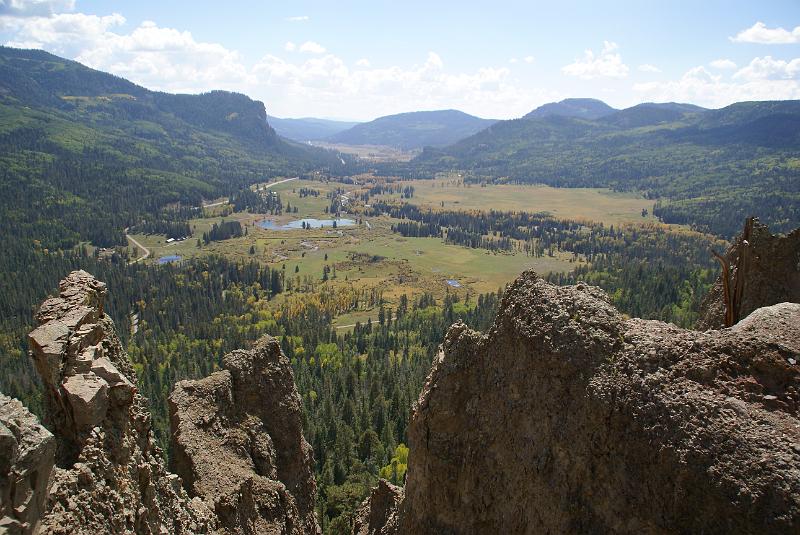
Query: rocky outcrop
x: 760, y: 270
x: 27, y: 453
x: 110, y: 476
x: 567, y: 418
x: 378, y: 514
x: 238, y: 444
x: 237, y: 435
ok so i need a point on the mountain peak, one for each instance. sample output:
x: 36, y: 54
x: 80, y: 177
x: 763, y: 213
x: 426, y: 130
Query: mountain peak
x: 583, y: 108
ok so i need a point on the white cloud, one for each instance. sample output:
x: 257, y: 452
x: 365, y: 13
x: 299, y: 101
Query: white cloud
x: 723, y: 64
x: 159, y: 58
x: 170, y: 59
x: 434, y: 61
x: 311, y: 47
x: 759, y: 33
x: 649, y: 68
x: 326, y: 81
x: 513, y: 60
x: 701, y: 75
x: 767, y: 68
x: 763, y: 79
x: 528, y: 59
x: 300, y: 18
x: 64, y: 33
x: 34, y: 8
x: 606, y: 64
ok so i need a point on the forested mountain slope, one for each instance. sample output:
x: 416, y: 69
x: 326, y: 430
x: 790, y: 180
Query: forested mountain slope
x: 709, y: 169
x: 84, y: 154
x: 414, y: 130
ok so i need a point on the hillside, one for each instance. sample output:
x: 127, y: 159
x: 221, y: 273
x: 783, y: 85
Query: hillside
x: 414, y: 130
x: 86, y: 154
x: 699, y: 165
x: 308, y: 128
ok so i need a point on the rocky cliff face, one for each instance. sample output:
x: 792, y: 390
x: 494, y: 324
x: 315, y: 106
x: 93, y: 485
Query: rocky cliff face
x: 763, y: 270
x: 567, y: 418
x: 238, y: 444
x: 110, y: 476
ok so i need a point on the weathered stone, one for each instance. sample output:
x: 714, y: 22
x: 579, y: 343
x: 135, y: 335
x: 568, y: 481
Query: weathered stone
x: 49, y: 343
x: 88, y: 397
x: 567, y: 418
x: 27, y: 452
x: 378, y: 514
x: 238, y: 444
x: 102, y: 367
x: 779, y: 322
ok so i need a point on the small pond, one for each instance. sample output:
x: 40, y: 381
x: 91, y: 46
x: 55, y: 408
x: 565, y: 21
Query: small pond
x: 168, y: 259
x: 454, y: 283
x: 310, y: 223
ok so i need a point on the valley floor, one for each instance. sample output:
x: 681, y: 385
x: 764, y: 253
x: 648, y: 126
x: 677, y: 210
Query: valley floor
x: 370, y: 254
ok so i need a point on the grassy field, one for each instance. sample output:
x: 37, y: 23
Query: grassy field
x: 589, y: 204
x: 371, y: 255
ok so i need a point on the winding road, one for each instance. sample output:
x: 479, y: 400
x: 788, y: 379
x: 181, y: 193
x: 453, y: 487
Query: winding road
x: 266, y: 187
x: 140, y: 246
x: 147, y: 251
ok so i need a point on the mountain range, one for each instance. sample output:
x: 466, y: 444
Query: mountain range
x: 66, y: 129
x: 708, y: 168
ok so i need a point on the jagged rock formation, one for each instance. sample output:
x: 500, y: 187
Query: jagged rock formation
x: 27, y: 452
x: 567, y: 418
x: 110, y: 476
x: 238, y: 444
x: 763, y: 270
x: 237, y: 435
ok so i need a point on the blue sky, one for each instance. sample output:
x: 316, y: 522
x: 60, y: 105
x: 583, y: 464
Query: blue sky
x: 360, y: 60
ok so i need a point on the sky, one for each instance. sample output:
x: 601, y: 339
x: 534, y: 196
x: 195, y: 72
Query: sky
x: 358, y: 60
